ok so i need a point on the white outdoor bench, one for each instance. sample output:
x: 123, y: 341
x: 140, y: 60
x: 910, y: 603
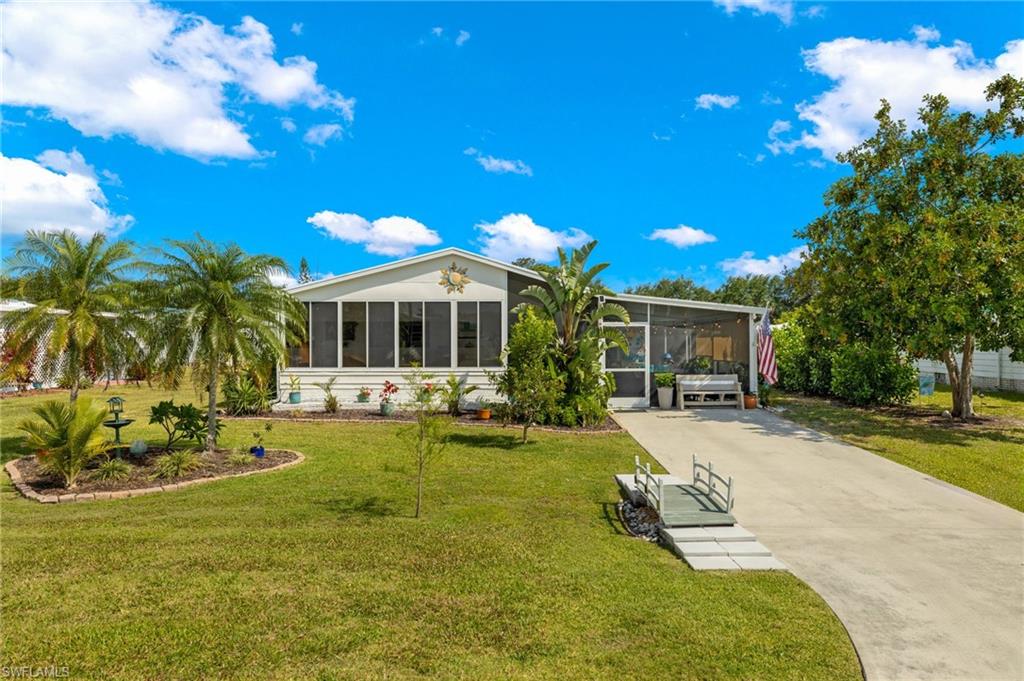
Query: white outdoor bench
x: 723, y: 388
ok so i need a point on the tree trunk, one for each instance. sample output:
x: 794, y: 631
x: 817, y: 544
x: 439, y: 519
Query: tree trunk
x: 419, y: 484
x: 960, y: 380
x: 211, y: 415
x: 74, y: 372
x: 526, y: 428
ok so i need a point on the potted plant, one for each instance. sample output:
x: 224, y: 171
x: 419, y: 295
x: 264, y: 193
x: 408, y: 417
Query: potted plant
x: 749, y: 400
x: 257, y: 450
x: 364, y: 394
x: 483, y: 412
x: 387, y: 406
x: 665, y: 381
x: 294, y: 389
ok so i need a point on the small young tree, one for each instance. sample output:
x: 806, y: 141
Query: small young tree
x: 530, y: 383
x: 430, y: 434
x: 923, y: 245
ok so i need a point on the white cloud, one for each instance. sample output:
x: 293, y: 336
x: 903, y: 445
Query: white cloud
x: 437, y: 31
x: 462, y: 38
x: 900, y: 71
x: 667, y: 137
x: 777, y: 145
x: 67, y: 162
x: 65, y: 195
x: 682, y: 236
x: 516, y: 235
x: 814, y: 12
x: 499, y: 166
x: 321, y: 134
x: 288, y: 124
x: 770, y: 100
x: 773, y: 264
x: 708, y: 101
x: 281, y: 278
x: 395, y: 236
x: 296, y: 28
x: 925, y: 34
x: 783, y: 9
x: 504, y: 165
x: 168, y: 79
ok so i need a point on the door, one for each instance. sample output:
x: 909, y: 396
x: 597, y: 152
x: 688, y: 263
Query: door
x: 630, y: 368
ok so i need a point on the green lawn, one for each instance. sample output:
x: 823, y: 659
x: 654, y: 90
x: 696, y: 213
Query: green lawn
x: 986, y: 457
x: 518, y: 569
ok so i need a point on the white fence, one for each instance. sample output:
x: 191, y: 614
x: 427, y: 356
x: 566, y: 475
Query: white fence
x: 992, y: 369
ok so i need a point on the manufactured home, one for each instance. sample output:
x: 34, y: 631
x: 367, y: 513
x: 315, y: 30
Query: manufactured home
x: 450, y: 312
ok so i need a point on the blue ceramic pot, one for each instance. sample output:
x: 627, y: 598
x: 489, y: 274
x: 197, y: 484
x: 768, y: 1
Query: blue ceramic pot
x: 294, y: 398
x: 387, y: 408
x: 257, y: 451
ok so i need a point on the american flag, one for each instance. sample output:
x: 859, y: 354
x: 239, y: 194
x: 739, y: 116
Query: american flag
x: 766, y: 351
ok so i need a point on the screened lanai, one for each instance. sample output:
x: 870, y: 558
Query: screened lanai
x: 679, y: 337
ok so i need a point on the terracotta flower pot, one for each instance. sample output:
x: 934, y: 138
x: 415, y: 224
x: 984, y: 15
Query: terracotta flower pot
x: 483, y: 414
x: 750, y: 401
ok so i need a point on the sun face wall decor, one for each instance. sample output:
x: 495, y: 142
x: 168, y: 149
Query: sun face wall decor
x: 454, y: 278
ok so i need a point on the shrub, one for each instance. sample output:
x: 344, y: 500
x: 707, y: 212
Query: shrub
x: 804, y: 356
x: 454, y: 392
x: 244, y: 397
x: 330, y: 399
x: 862, y: 374
x: 180, y: 421
x: 66, y: 437
x: 664, y: 379
x: 113, y: 469
x: 239, y: 458
x: 176, y: 464
x: 530, y: 383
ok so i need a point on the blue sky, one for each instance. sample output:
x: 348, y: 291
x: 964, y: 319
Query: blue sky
x: 688, y: 138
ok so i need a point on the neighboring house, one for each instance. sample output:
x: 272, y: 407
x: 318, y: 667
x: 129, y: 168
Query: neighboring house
x: 450, y: 312
x: 992, y: 369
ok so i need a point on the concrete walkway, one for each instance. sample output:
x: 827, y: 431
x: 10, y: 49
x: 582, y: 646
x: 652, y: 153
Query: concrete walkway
x: 928, y: 578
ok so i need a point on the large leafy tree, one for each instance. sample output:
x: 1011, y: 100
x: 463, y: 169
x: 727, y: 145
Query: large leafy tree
x: 572, y: 300
x: 82, y: 316
x: 680, y: 287
x: 923, y: 245
x: 217, y: 312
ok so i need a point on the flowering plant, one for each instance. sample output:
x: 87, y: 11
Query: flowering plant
x: 390, y: 389
x: 365, y: 391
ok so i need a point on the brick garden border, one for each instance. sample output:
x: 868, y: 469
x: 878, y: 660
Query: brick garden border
x: 29, y: 493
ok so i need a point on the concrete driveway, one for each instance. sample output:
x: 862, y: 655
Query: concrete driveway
x: 928, y: 578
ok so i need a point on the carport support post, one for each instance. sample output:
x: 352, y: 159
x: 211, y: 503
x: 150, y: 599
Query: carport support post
x: 752, y: 370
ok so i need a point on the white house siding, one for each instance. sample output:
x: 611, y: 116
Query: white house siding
x: 992, y: 369
x: 414, y: 281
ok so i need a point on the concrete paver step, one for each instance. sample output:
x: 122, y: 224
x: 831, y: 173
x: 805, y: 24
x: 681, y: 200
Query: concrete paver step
x: 700, y: 548
x: 731, y: 533
x: 712, y: 563
x: 759, y: 562
x: 745, y: 548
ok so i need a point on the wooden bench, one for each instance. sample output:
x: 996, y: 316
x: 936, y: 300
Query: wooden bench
x: 725, y: 390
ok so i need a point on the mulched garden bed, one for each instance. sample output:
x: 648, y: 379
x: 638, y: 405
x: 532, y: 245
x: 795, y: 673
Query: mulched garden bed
x: 212, y: 465
x: 469, y: 419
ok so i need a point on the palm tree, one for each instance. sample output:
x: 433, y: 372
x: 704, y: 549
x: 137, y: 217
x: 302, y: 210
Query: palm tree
x: 217, y: 312
x: 66, y: 437
x: 572, y: 300
x: 81, y: 315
